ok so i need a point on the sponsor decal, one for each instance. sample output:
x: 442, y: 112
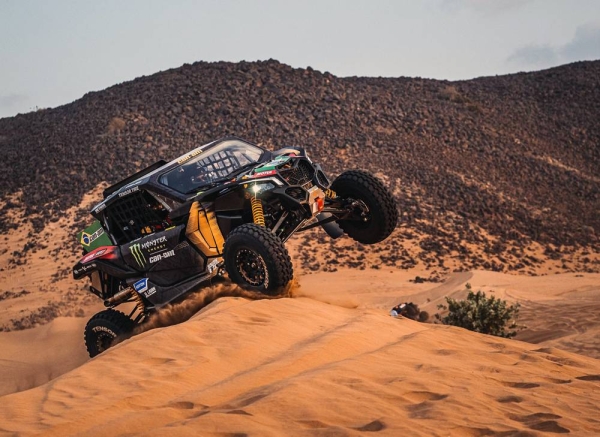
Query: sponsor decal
x: 213, y: 265
x: 136, y: 251
x: 87, y: 239
x: 100, y: 208
x: 189, y: 156
x: 264, y: 173
x: 141, y: 285
x: 104, y: 329
x: 92, y: 255
x: 152, y: 244
x: 181, y: 245
x: 84, y: 269
x: 279, y: 160
x: 129, y: 191
x: 271, y: 165
x: 161, y: 256
x: 94, y: 237
x: 150, y: 292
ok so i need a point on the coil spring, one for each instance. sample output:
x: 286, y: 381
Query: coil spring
x: 258, y: 214
x: 139, y: 302
x: 330, y: 193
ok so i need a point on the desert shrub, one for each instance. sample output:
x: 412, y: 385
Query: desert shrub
x: 475, y: 107
x: 116, y: 125
x: 452, y: 94
x: 483, y: 314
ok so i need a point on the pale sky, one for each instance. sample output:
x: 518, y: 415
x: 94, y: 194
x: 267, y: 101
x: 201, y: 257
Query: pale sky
x: 53, y: 52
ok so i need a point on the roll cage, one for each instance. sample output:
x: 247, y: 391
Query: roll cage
x: 205, y: 167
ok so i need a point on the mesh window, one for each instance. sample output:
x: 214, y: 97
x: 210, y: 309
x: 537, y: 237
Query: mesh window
x: 219, y: 165
x: 210, y: 166
x: 134, y: 216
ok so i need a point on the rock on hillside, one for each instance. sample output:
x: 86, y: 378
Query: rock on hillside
x: 497, y: 163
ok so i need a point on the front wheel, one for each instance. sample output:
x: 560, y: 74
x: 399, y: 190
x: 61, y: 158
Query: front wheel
x: 255, y: 257
x: 380, y: 217
x: 103, y: 328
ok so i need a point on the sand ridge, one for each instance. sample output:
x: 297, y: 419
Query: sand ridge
x: 32, y: 357
x: 328, y: 360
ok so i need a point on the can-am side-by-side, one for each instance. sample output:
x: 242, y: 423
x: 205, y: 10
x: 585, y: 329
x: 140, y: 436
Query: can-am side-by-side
x: 227, y: 206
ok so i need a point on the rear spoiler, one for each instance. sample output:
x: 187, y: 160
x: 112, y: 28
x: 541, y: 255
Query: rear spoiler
x: 133, y: 177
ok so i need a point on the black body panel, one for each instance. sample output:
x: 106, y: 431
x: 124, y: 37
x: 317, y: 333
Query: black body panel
x: 165, y: 257
x: 159, y: 295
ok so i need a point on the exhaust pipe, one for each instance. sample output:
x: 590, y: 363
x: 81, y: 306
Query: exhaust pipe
x: 118, y: 298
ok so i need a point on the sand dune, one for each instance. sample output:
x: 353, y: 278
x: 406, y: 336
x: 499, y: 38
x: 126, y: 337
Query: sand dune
x: 35, y: 356
x: 326, y: 362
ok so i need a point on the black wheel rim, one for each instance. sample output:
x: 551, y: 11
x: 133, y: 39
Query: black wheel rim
x: 104, y: 341
x: 252, y: 267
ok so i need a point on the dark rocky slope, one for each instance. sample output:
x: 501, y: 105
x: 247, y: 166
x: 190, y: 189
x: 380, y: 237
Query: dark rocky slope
x: 496, y: 162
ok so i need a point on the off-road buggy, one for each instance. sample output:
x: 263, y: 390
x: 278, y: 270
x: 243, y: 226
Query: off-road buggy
x: 227, y: 206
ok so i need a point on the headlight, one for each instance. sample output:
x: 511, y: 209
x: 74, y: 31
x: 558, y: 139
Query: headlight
x: 258, y: 188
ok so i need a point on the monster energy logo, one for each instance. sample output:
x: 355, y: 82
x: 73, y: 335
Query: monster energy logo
x: 136, y: 251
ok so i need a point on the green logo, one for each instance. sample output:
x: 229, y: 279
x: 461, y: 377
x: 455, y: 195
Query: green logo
x: 136, y: 251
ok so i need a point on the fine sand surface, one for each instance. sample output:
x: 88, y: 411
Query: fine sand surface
x: 33, y: 357
x: 328, y: 360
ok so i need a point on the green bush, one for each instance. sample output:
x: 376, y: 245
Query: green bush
x: 479, y: 313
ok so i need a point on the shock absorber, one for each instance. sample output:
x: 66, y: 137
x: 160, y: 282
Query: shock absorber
x: 330, y: 193
x: 139, y: 303
x: 119, y: 297
x: 258, y: 214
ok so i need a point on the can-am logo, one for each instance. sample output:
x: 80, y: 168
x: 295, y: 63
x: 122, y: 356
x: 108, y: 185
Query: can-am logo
x: 190, y: 155
x: 161, y: 256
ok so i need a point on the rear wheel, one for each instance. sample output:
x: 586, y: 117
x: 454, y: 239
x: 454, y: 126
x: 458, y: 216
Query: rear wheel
x: 379, y: 213
x: 255, y: 257
x: 103, y: 328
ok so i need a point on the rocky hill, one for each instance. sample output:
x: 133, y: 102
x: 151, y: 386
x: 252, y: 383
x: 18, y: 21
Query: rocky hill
x: 482, y: 169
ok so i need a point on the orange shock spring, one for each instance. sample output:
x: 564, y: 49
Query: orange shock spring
x: 258, y: 214
x: 330, y: 193
x: 139, y: 302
